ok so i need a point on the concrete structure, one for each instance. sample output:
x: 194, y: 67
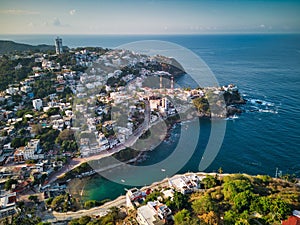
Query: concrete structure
x: 7, y: 204
x: 132, y: 195
x: 31, y: 151
x: 154, y: 213
x: 37, y: 104
x: 186, y: 183
x: 58, y: 45
x: 19, y: 155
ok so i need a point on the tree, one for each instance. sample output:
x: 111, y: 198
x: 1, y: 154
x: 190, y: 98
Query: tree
x: 33, y: 198
x: 232, y: 187
x: 180, y: 200
x: 242, y: 200
x: 280, y: 208
x: 230, y: 217
x: 220, y: 170
x: 210, y: 218
x: 65, y: 135
x: 37, y: 129
x: 182, y: 217
x: 84, y: 220
x: 89, y: 204
x: 9, y: 183
x: 153, y: 196
x: 204, y: 204
x: 18, y: 142
x: 57, y: 201
x: 209, y: 182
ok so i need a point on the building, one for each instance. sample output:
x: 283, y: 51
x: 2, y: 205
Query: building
x: 19, y: 154
x: 7, y: 204
x: 293, y: 220
x: 37, y: 104
x: 31, y: 151
x: 58, y: 45
x: 154, y: 213
x: 186, y: 183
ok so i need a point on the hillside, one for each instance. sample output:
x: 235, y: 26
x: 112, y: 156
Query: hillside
x: 231, y: 199
x: 10, y: 46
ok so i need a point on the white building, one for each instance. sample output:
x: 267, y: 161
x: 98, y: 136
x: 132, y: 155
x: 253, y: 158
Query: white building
x: 31, y: 151
x: 7, y: 205
x: 37, y: 104
x: 153, y: 213
x: 186, y: 183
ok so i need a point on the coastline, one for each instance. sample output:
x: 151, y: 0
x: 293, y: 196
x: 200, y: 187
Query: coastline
x: 119, y: 201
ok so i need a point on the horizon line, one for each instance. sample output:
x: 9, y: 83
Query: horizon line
x: 153, y: 34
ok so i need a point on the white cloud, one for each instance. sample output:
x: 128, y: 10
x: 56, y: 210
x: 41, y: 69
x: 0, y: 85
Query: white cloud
x: 72, y: 12
x: 18, y: 12
x: 262, y: 26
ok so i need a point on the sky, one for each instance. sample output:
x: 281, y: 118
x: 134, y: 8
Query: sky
x: 149, y: 16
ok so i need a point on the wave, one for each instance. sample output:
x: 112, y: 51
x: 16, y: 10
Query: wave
x: 268, y: 111
x: 261, y: 102
x: 232, y: 117
x: 260, y: 105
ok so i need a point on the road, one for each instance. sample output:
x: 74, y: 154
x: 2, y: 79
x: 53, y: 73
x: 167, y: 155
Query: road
x: 75, y: 162
x: 97, y: 211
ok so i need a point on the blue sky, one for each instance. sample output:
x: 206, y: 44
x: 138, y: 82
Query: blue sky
x: 149, y: 16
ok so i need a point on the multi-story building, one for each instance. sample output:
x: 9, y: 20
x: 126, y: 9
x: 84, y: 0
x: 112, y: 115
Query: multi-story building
x: 58, y: 45
x: 37, y: 104
x: 31, y: 151
x: 7, y: 204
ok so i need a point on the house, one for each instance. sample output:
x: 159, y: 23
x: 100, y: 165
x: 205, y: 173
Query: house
x: 293, y: 220
x: 19, y: 154
x: 186, y: 183
x: 154, y: 213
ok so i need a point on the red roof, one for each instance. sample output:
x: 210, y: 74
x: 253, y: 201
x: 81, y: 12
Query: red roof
x: 292, y: 220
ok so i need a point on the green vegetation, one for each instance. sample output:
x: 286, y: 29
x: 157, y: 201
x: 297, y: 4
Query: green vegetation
x: 202, y: 105
x: 10, y: 75
x: 27, y: 215
x: 44, y: 86
x: 10, y: 46
x: 126, y: 154
x: 233, y: 200
x: 66, y: 140
x: 63, y: 203
x: 47, y: 137
x: 8, y: 184
x: 112, y: 218
x: 93, y: 203
x: 241, y: 197
x: 18, y: 142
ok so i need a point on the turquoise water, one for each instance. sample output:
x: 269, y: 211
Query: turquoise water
x: 264, y: 137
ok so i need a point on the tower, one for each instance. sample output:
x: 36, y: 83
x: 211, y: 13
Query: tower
x: 58, y: 45
x: 172, y: 83
x: 160, y: 82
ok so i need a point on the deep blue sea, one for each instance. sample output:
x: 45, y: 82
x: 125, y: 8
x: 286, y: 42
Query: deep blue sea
x: 264, y: 67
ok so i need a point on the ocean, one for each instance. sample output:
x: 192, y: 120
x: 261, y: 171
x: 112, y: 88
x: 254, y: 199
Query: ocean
x: 266, y: 136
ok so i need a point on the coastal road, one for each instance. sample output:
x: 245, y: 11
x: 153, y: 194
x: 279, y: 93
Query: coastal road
x: 97, y: 211
x: 75, y: 162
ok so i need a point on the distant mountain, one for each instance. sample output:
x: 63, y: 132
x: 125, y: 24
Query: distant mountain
x: 10, y: 46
